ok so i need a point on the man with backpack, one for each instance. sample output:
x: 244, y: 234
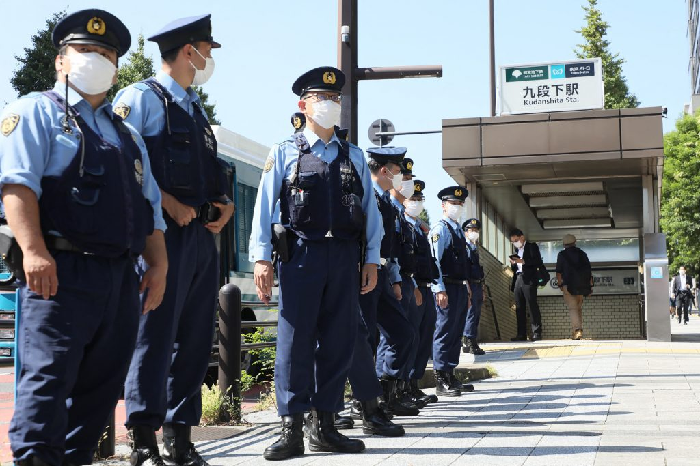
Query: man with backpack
x: 575, y: 280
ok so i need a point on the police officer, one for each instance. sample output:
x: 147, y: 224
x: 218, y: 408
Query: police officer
x: 451, y: 291
x: 476, y: 286
x: 411, y: 297
x: 80, y: 198
x: 174, y: 344
x: 422, y: 315
x: 381, y: 309
x: 324, y: 192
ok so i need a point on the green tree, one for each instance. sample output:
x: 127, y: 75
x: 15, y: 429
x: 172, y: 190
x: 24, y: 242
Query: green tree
x: 617, y: 94
x: 137, y: 68
x: 424, y: 216
x: 208, y: 108
x: 36, y: 70
x: 680, y: 199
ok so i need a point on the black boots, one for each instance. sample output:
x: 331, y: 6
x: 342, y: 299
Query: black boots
x: 418, y: 394
x: 343, y: 422
x: 144, y: 447
x: 445, y: 386
x: 178, y: 448
x: 291, y: 441
x: 404, y: 395
x: 375, y: 422
x: 392, y: 404
x: 32, y: 461
x: 464, y: 387
x: 356, y: 409
x: 471, y: 346
x: 323, y: 435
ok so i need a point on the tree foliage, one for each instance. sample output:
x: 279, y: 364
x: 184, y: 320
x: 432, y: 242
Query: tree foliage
x: 680, y: 199
x: 209, y: 108
x: 36, y: 70
x: 424, y: 216
x: 617, y: 94
x: 137, y: 67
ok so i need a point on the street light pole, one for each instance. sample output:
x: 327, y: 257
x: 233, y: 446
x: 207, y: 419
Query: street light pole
x: 492, y: 59
x: 347, y: 63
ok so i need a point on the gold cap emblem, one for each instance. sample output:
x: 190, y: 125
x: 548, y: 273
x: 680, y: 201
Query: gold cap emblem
x: 96, y: 26
x: 416, y: 187
x: 329, y: 77
x: 409, y: 166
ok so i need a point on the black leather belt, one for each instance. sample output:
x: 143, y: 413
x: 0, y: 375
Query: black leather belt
x: 406, y: 275
x: 477, y: 282
x: 420, y: 284
x: 452, y: 281
x: 58, y: 243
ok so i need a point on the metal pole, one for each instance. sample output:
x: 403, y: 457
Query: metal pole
x: 108, y: 442
x: 230, y: 342
x: 492, y: 59
x: 347, y: 63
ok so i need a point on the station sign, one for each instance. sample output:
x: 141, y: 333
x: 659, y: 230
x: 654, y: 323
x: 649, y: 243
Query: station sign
x: 551, y: 87
x: 605, y: 281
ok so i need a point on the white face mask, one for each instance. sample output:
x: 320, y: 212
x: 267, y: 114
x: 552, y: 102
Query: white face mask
x: 413, y: 208
x: 473, y: 236
x: 395, y: 180
x: 91, y: 73
x: 518, y: 244
x: 407, y: 188
x: 454, y: 211
x: 325, y: 113
x: 202, y: 76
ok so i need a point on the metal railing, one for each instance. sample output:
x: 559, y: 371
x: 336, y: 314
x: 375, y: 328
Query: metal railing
x: 230, y: 346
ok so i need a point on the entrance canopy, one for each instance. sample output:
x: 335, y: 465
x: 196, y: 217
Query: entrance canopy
x: 595, y: 173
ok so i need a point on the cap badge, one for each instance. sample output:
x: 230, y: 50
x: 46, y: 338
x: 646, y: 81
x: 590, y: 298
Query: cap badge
x: 458, y: 192
x: 329, y: 77
x: 409, y: 166
x: 96, y: 26
x: 417, y: 187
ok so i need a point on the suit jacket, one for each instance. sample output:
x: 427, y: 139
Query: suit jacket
x: 533, y: 260
x: 679, y: 286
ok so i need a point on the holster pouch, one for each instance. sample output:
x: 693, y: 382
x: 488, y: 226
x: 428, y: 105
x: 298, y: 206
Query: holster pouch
x: 10, y: 252
x: 280, y: 243
x: 208, y: 213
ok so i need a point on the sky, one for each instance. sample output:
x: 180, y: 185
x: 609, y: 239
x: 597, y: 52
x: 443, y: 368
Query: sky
x: 266, y: 45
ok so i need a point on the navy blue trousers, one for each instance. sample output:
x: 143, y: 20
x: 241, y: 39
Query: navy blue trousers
x: 318, y: 301
x: 408, y: 306
x: 449, y: 327
x: 175, y: 340
x: 471, y: 327
x: 424, y: 320
x: 382, y: 311
x: 362, y: 376
x: 75, y: 349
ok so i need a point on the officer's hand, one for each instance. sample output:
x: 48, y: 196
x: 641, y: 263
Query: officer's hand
x: 263, y: 280
x: 40, y: 272
x: 181, y: 213
x: 418, y: 295
x: 154, y: 281
x: 441, y: 298
x: 226, y: 211
x: 369, y: 278
x: 397, y: 290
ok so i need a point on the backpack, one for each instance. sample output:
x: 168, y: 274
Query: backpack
x: 578, y: 280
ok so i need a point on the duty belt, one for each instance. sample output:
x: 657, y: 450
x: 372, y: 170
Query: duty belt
x: 58, y: 243
x: 420, y: 284
x: 452, y: 281
x: 477, y: 282
x: 406, y: 275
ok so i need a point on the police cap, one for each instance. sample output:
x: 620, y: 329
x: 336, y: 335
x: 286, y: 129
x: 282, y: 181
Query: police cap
x: 325, y: 78
x: 387, y: 154
x: 298, y: 121
x: 92, y: 27
x: 418, y: 188
x: 184, y: 31
x: 458, y: 193
x: 407, y: 167
x: 472, y: 223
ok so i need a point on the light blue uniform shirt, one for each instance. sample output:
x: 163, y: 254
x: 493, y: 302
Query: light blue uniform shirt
x: 146, y: 111
x: 280, y: 165
x: 38, y: 147
x: 392, y: 267
x: 444, y: 239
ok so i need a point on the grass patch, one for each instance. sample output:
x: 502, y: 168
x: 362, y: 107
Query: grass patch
x: 493, y: 372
